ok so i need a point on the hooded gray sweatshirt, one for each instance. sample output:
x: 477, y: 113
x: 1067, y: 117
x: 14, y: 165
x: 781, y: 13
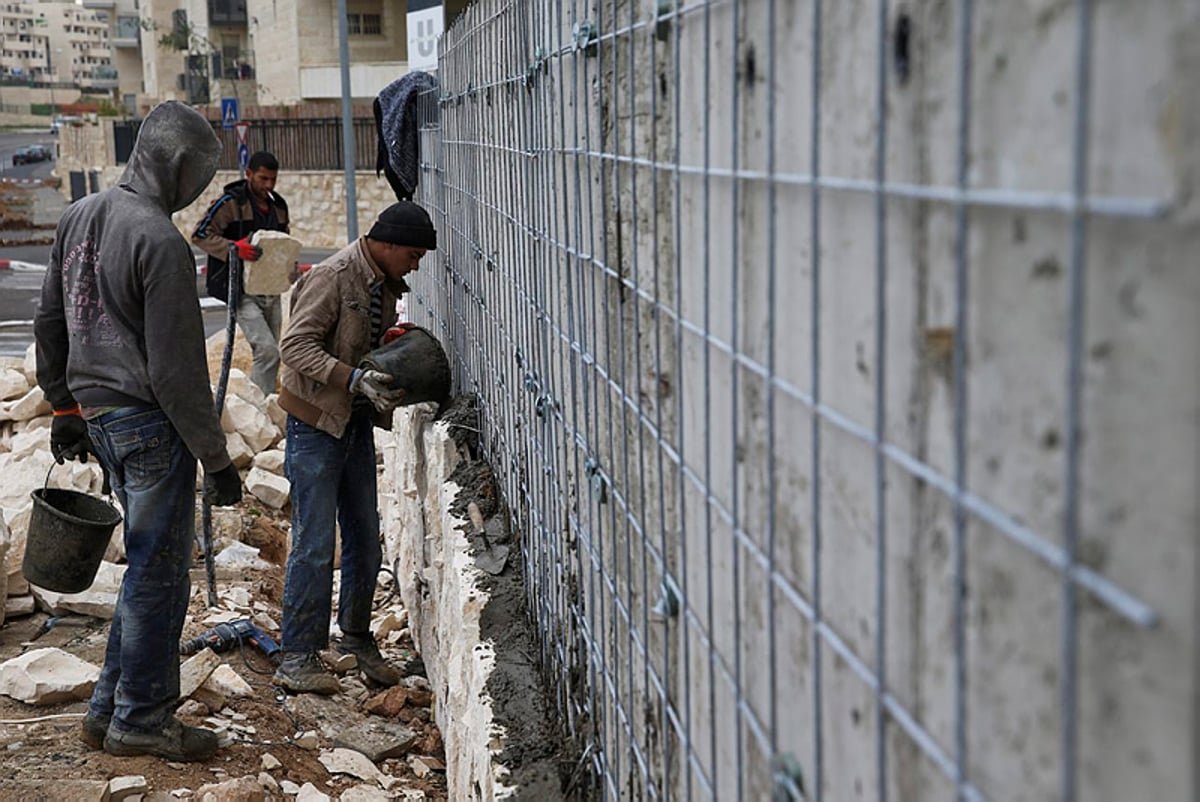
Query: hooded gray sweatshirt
x: 119, y: 322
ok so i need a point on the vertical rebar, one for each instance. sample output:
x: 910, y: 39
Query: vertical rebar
x: 1076, y: 289
x: 815, y: 381
x: 735, y: 257
x: 881, y: 406
x: 772, y: 486
x: 706, y: 330
x: 677, y: 219
x: 961, y: 408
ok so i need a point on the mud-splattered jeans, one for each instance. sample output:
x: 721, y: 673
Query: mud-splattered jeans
x: 333, y: 479
x: 154, y: 476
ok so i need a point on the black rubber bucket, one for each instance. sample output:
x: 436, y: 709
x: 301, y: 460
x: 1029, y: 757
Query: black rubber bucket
x: 68, y: 534
x: 417, y: 364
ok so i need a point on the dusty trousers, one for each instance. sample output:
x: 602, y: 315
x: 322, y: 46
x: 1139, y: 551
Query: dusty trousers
x: 332, y: 481
x: 154, y: 476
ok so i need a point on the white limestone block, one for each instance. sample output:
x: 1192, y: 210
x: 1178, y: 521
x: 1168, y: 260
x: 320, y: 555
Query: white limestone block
x: 271, y: 273
x: 47, y: 676
x: 13, y: 384
x: 271, y: 460
x: 239, y: 450
x: 269, y: 488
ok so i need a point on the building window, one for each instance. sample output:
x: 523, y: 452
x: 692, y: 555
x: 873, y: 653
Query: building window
x: 360, y: 24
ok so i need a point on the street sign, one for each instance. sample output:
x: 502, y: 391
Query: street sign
x: 242, y: 129
x: 229, y: 112
x: 426, y: 21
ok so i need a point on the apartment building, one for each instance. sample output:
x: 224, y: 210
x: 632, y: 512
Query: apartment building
x: 272, y: 53
x: 79, y: 51
x: 24, y: 43
x: 125, y: 42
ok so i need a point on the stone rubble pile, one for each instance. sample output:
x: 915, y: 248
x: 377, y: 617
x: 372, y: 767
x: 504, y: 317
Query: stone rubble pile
x: 254, y: 430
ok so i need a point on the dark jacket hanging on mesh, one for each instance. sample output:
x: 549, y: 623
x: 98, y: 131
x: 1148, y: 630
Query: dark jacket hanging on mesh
x: 396, y: 124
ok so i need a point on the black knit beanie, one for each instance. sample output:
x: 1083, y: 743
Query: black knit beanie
x: 405, y: 223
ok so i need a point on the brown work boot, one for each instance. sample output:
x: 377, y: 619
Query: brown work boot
x: 176, y: 741
x: 93, y: 730
x: 303, y: 672
x: 370, y: 660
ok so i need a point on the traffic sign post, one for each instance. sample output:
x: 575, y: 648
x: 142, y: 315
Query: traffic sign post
x: 243, y: 131
x: 229, y: 112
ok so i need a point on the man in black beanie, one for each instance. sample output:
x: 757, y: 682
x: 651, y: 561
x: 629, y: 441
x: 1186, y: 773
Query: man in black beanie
x: 340, y: 311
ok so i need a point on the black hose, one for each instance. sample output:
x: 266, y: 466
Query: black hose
x: 235, y: 287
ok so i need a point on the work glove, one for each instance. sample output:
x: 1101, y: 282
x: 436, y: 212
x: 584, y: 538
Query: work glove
x: 399, y: 330
x: 246, y: 251
x: 223, y: 488
x: 69, y: 437
x: 374, y: 385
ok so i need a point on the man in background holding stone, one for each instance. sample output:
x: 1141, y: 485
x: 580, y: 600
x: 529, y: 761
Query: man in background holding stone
x: 246, y: 206
x: 340, y: 311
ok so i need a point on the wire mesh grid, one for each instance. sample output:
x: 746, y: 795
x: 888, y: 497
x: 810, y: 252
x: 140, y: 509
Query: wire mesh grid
x: 643, y: 279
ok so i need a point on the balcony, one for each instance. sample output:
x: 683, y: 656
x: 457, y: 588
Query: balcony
x: 99, y: 3
x: 128, y: 32
x: 100, y: 78
x: 227, y: 12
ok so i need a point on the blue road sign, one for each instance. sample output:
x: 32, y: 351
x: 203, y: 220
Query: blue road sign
x: 229, y: 112
x: 244, y: 155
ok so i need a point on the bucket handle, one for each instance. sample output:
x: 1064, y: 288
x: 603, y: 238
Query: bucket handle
x: 105, y: 487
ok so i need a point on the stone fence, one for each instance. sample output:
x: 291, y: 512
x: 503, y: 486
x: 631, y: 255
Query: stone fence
x: 316, y: 198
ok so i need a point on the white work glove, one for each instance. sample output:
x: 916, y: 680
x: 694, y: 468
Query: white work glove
x: 374, y: 385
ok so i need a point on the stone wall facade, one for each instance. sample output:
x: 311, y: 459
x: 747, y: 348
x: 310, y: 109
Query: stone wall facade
x: 316, y: 199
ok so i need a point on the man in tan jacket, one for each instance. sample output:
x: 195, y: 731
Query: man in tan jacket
x: 340, y: 311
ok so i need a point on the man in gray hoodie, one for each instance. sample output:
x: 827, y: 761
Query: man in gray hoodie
x: 120, y: 357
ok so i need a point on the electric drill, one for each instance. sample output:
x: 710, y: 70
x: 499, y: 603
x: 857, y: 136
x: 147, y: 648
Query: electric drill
x: 224, y: 637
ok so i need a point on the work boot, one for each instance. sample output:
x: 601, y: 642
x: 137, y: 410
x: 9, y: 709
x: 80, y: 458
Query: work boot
x: 176, y: 741
x: 303, y: 672
x: 93, y: 730
x: 370, y: 660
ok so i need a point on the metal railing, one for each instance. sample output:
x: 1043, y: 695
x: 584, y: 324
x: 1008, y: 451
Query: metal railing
x: 299, y: 144
x: 748, y: 468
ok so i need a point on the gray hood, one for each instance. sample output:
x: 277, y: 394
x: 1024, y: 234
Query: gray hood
x: 175, y: 156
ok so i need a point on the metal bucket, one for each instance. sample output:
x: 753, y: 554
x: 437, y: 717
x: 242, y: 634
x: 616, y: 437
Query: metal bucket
x: 68, y: 534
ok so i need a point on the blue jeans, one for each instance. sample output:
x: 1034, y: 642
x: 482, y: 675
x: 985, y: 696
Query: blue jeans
x: 154, y: 475
x: 333, y: 479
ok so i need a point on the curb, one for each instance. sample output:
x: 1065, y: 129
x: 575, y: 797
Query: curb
x: 17, y: 266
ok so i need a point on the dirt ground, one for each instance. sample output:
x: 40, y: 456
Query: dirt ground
x: 38, y: 756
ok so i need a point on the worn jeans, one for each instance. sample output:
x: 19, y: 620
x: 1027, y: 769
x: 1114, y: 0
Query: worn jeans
x: 260, y: 317
x: 333, y: 479
x: 154, y: 475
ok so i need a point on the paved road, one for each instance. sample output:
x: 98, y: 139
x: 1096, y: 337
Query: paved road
x: 20, y: 286
x: 11, y: 141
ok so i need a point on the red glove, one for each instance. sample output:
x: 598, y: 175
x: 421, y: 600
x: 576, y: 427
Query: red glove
x: 246, y: 251
x: 399, y: 330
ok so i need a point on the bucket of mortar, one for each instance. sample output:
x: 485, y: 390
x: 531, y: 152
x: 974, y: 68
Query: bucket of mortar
x: 417, y: 365
x: 68, y: 534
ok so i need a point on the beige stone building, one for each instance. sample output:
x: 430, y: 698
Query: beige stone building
x: 24, y: 43
x: 121, y: 17
x: 79, y: 51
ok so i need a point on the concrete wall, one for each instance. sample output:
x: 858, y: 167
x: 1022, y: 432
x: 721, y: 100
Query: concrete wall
x: 620, y: 321
x: 316, y: 204
x: 464, y: 623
